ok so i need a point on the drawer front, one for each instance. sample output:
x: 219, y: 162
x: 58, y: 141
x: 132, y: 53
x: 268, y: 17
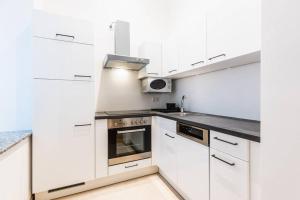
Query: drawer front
x: 62, y: 28
x: 167, y: 124
x: 229, y: 177
x: 234, y: 146
x: 130, y: 166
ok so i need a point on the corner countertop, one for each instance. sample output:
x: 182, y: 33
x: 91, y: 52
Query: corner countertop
x: 243, y: 128
x: 11, y: 138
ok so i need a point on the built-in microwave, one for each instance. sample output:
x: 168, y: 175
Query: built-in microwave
x: 156, y: 85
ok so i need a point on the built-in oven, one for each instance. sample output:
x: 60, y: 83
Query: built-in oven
x: 129, y: 139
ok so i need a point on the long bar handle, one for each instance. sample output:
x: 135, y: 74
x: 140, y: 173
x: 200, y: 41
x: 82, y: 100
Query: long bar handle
x: 78, y: 125
x: 131, y: 166
x: 196, y: 63
x: 228, y: 163
x: 174, y: 70
x: 63, y: 35
x: 223, y: 54
x: 82, y: 76
x: 166, y: 134
x: 131, y: 131
x: 216, y: 138
x: 152, y: 73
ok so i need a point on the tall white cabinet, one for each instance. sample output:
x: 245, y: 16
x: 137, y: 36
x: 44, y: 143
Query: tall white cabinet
x: 63, y: 102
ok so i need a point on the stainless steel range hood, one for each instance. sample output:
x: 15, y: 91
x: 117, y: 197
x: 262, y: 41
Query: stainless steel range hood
x: 121, y: 58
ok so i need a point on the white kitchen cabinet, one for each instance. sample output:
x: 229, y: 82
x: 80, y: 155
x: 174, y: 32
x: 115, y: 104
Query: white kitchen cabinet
x: 233, y: 28
x: 192, y: 42
x: 55, y: 59
x: 55, y: 27
x: 168, y: 155
x: 171, y: 56
x: 63, y: 139
x: 229, y: 177
x: 193, y: 169
x: 234, y: 146
x: 101, y: 148
x: 152, y: 51
x: 155, y: 141
x: 15, y: 172
x: 130, y: 166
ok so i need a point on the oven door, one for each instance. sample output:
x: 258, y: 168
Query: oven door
x: 129, y: 144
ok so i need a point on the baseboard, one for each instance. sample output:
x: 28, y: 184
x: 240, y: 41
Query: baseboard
x: 102, y: 182
x: 171, y: 187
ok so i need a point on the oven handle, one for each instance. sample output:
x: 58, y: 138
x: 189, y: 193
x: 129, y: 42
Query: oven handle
x: 131, y: 131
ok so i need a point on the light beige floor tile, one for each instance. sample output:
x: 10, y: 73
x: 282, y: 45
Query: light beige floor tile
x: 145, y: 188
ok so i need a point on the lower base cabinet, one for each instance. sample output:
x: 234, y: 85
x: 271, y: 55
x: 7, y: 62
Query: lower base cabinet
x: 193, y: 169
x: 15, y: 172
x: 229, y: 177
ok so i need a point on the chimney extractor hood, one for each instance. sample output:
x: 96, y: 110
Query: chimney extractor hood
x: 121, y: 58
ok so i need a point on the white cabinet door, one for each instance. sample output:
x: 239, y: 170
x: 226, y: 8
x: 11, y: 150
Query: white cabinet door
x: 63, y: 133
x: 229, y: 177
x: 193, y: 169
x: 62, y: 28
x: 233, y: 28
x: 62, y: 60
x: 170, y: 56
x: 101, y: 148
x: 155, y: 141
x: 15, y: 172
x: 167, y: 167
x: 152, y: 51
x: 130, y: 166
x: 192, y: 43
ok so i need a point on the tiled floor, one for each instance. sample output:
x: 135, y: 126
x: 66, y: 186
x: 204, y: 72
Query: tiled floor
x: 145, y: 188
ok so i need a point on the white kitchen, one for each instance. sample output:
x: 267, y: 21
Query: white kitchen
x: 149, y: 100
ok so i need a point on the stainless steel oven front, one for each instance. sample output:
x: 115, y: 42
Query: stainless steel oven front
x: 129, y: 139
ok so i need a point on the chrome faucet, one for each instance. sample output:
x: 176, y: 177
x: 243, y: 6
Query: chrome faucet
x: 181, y: 104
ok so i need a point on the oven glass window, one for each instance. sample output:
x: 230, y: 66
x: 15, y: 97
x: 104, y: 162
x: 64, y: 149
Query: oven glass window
x: 158, y: 84
x: 128, y: 143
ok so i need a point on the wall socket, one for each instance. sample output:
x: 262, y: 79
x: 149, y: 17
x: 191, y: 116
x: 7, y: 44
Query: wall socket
x: 155, y: 99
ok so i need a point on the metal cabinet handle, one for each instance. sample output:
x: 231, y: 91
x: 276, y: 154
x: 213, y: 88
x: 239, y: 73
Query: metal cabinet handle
x: 223, y: 54
x: 131, y: 131
x: 131, y: 166
x: 166, y: 134
x: 78, y: 125
x: 63, y: 35
x: 197, y: 63
x: 153, y: 73
x: 216, y: 138
x: 82, y: 76
x: 174, y: 70
x: 228, y: 163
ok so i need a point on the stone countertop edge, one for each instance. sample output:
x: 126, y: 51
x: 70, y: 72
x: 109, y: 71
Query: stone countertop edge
x: 245, y: 134
x: 9, y: 139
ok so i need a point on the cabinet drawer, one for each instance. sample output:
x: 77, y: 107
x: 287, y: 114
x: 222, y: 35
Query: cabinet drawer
x: 167, y: 124
x: 229, y: 177
x: 130, y: 166
x: 231, y: 145
x: 62, y: 28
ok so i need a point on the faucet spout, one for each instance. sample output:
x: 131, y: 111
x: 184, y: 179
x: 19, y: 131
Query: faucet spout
x: 182, y: 103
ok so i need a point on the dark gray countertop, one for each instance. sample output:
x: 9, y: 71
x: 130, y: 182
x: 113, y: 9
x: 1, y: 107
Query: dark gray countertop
x: 11, y: 138
x: 243, y: 128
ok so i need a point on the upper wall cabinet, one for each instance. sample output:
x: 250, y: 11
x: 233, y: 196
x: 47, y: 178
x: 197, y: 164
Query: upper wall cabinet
x: 62, y: 28
x: 62, y: 48
x: 170, y: 56
x: 152, y: 51
x: 192, y: 42
x: 233, y: 28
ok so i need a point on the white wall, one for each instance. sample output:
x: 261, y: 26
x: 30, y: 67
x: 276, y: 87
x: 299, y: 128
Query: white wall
x: 280, y: 107
x: 15, y: 18
x: 232, y: 92
x: 146, y: 19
